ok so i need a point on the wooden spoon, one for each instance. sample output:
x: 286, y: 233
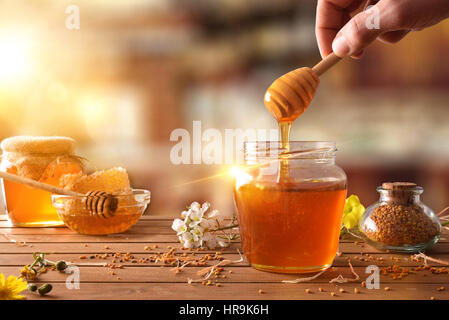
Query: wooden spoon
x: 290, y: 95
x: 97, y: 202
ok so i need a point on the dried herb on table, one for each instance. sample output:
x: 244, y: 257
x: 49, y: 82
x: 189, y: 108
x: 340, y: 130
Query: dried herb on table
x: 40, y: 265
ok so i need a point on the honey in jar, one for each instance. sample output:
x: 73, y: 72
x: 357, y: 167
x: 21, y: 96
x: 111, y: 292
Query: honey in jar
x: 290, y: 220
x: 44, y: 159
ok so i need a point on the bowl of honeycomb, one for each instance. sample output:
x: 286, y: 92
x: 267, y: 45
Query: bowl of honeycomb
x: 131, y: 203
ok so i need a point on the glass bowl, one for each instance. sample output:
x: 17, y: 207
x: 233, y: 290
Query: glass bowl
x: 72, y: 211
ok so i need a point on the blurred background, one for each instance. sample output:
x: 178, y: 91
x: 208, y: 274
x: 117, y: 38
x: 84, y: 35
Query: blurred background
x: 138, y: 69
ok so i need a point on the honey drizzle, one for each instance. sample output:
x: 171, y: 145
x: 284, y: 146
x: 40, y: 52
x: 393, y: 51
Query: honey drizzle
x: 284, y: 168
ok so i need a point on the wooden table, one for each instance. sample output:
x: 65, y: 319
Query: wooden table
x: 152, y: 281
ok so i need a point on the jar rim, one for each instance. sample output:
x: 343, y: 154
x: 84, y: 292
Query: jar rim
x: 38, y: 145
x: 296, y: 149
x: 414, y: 190
x: 295, y: 143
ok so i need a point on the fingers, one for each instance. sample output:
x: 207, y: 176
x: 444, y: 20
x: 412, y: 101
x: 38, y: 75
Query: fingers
x: 388, y: 20
x: 393, y: 36
x: 359, y: 32
x: 357, y: 55
x: 331, y: 16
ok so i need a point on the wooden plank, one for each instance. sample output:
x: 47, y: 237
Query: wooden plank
x: 137, y: 229
x: 161, y: 218
x: 20, y: 259
x: 142, y: 228
x: 146, y: 274
x: 249, y: 291
x: 138, y: 247
x: 350, y: 247
x: 96, y: 247
x: 4, y: 217
x: 347, y: 247
x: 79, y: 238
x: 145, y: 222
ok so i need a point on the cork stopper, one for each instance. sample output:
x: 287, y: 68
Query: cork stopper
x: 404, y: 186
x: 38, y: 145
x: 401, y: 192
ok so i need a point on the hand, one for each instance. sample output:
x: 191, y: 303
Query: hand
x: 336, y: 31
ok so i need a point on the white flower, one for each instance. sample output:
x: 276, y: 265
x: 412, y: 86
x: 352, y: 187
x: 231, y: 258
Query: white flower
x: 209, y: 240
x: 197, y: 227
x: 195, y: 223
x: 195, y: 216
x: 186, y: 236
x: 206, y: 224
x: 217, y: 217
x: 197, y: 233
x: 187, y: 244
x: 214, y: 214
x: 223, y: 244
x: 213, y: 224
x: 179, y: 226
x: 185, y: 214
x: 195, y: 206
x: 205, y: 207
x: 191, y: 244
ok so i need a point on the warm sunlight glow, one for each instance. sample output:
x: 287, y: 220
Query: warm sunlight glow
x: 96, y: 116
x: 15, y: 58
x: 234, y: 171
x: 241, y: 176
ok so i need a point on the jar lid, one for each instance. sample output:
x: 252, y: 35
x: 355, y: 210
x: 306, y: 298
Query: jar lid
x: 38, y: 144
x: 399, y: 186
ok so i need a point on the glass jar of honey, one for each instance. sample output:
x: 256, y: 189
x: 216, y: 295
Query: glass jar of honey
x: 290, y: 205
x: 44, y: 159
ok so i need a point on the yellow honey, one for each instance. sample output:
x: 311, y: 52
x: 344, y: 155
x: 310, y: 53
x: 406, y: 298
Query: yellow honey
x: 113, y: 181
x: 44, y: 159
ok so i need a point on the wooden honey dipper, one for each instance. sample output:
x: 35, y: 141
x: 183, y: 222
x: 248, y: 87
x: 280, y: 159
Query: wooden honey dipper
x: 290, y: 95
x: 98, y: 203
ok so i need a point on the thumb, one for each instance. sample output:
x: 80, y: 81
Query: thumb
x: 358, y: 33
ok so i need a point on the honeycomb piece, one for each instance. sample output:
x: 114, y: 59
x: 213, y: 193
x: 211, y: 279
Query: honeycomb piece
x: 60, y: 166
x: 113, y: 180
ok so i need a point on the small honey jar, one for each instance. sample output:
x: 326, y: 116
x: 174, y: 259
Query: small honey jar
x: 44, y: 159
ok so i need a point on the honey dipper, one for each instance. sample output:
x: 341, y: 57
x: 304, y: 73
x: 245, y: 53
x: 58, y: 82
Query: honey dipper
x: 98, y: 203
x: 289, y: 95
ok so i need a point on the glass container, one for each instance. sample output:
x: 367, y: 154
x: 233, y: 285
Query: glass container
x: 290, y: 203
x: 399, y: 221
x: 44, y: 159
x: 130, y: 208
